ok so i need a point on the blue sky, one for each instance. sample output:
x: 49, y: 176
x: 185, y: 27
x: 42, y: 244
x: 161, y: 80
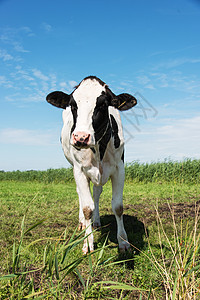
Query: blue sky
x: 150, y: 49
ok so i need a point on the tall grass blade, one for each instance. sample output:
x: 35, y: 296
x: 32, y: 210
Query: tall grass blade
x: 74, y: 264
x: 14, y: 257
x: 149, y: 295
x: 175, y: 288
x: 101, y: 253
x: 8, y: 276
x: 45, y: 256
x: 119, y: 286
x: 105, y: 265
x: 22, y: 226
x: 90, y: 261
x: 50, y: 264
x: 35, y: 225
x: 194, y: 269
x: 56, y: 267
x: 74, y: 242
x: 80, y: 277
x: 33, y: 295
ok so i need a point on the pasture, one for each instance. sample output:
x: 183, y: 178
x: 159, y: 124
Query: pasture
x: 40, y: 246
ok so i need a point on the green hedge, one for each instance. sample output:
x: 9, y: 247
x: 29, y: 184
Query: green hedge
x: 51, y: 175
x: 187, y: 171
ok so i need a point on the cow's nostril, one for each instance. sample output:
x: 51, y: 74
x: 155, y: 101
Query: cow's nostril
x: 81, y: 138
x: 87, y: 139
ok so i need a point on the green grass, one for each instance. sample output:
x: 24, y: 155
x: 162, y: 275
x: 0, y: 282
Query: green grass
x: 38, y: 222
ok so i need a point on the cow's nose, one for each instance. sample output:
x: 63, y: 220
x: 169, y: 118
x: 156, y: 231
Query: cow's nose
x: 81, y: 138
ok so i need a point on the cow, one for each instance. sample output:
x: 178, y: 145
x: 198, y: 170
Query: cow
x: 93, y: 143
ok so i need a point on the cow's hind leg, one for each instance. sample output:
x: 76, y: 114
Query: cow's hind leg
x: 97, y: 190
x: 117, y: 205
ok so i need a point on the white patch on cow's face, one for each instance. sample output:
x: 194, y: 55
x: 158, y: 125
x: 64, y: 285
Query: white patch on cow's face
x: 85, y: 97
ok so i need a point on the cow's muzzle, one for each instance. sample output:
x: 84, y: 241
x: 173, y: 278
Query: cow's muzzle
x: 81, y: 139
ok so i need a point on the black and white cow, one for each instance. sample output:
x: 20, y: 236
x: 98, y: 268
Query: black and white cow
x: 92, y: 141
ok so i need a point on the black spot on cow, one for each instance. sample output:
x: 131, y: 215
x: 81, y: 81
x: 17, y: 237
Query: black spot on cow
x: 100, y: 118
x: 122, y: 158
x: 93, y: 150
x: 115, y: 132
x: 101, y: 123
x: 104, y: 141
x: 74, y: 108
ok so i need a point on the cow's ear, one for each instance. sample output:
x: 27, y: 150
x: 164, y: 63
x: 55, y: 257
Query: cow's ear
x: 123, y: 101
x: 58, y: 99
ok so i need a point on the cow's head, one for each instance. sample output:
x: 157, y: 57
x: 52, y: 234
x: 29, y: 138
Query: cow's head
x: 89, y: 104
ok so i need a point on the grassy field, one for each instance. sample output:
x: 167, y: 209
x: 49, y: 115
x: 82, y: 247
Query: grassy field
x: 40, y: 249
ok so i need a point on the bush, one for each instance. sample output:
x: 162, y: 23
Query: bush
x: 187, y: 171
x: 48, y: 176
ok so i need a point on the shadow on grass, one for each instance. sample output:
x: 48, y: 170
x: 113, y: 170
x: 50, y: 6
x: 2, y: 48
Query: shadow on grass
x: 134, y: 229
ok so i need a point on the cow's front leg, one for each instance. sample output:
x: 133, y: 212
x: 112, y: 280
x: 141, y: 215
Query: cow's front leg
x: 86, y: 206
x: 117, y: 206
x: 82, y: 224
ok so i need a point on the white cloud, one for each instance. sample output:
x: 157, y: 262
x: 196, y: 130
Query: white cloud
x: 68, y: 85
x: 25, y: 137
x: 63, y: 85
x: 19, y: 48
x: 38, y: 74
x: 172, y: 80
x: 143, y: 79
x: 72, y: 83
x: 181, y: 130
x: 5, y: 55
x: 14, y: 37
x: 47, y: 27
x: 172, y: 63
x: 150, y: 87
x: 53, y: 80
x: 23, y: 80
x: 21, y: 74
x: 178, y: 139
x: 4, y: 82
x: 162, y: 78
x: 27, y: 30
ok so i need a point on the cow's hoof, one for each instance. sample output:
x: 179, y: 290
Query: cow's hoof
x: 124, y: 247
x: 81, y: 226
x: 87, y: 249
x: 96, y: 225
